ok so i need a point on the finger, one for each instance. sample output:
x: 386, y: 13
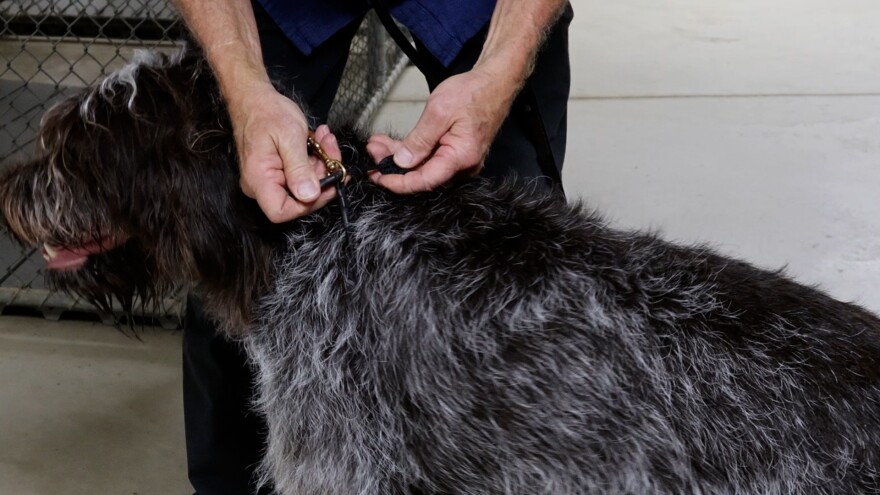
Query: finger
x: 321, y: 131
x: 298, y: 172
x: 423, y: 138
x: 246, y: 188
x: 277, y: 204
x: 328, y: 141
x: 381, y: 146
x: 435, y: 172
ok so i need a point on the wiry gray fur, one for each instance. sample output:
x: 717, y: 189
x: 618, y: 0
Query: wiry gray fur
x: 492, y: 340
x: 479, y: 339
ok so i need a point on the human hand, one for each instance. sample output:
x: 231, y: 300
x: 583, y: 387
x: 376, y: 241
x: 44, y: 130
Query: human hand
x: 453, y: 134
x: 271, y: 134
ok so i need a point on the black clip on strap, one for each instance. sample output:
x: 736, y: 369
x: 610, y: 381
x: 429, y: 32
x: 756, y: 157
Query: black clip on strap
x: 336, y: 175
x: 335, y: 179
x: 387, y: 166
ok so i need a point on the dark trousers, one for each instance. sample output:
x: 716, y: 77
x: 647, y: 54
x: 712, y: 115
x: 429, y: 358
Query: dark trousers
x: 224, y: 440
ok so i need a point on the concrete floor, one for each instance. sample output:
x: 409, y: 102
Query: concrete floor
x: 87, y: 410
x: 753, y: 126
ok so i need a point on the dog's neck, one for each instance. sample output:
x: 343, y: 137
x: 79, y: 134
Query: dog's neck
x: 231, y: 248
x: 233, y: 256
x: 231, y: 290
x: 235, y: 262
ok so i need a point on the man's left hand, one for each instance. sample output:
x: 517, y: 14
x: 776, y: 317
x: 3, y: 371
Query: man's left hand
x: 453, y: 134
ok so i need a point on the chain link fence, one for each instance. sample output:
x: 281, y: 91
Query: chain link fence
x: 52, y: 48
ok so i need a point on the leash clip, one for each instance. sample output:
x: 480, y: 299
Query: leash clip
x: 335, y: 168
x: 336, y: 175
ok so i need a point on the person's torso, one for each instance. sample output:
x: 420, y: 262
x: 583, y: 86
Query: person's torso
x: 443, y: 26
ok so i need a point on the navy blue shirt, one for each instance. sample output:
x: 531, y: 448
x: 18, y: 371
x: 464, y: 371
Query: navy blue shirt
x: 442, y: 25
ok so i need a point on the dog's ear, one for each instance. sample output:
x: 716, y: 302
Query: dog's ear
x: 16, y: 182
x: 58, y: 123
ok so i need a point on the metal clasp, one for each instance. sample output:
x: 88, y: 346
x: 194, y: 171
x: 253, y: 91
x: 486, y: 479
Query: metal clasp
x: 336, y: 175
x: 335, y: 169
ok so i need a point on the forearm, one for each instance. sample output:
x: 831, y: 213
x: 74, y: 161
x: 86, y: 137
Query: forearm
x: 227, y: 32
x: 516, y: 33
x: 270, y: 129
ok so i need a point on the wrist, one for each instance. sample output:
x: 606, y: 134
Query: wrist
x: 239, y: 72
x: 516, y: 33
x: 244, y: 85
x: 251, y: 107
x: 507, y: 73
x: 243, y: 89
x: 227, y: 33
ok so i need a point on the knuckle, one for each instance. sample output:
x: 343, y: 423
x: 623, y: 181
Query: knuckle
x: 271, y: 212
x: 246, y: 188
x: 417, y: 143
x: 440, y: 112
x: 300, y: 173
x: 471, y: 159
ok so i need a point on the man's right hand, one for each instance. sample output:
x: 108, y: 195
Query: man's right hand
x: 270, y: 130
x: 276, y: 169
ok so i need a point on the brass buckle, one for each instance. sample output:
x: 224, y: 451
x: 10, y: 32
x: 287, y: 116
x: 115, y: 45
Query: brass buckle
x: 333, y: 167
x: 336, y: 175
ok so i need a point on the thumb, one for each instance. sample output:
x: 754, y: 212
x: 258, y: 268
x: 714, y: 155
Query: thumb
x: 298, y: 171
x: 421, y: 140
x: 380, y: 146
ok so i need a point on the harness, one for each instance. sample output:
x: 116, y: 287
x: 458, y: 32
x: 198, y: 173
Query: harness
x: 337, y: 174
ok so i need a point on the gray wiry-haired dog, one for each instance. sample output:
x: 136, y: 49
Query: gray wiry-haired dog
x: 480, y: 339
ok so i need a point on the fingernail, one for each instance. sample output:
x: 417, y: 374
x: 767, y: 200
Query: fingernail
x: 403, y: 157
x: 306, y: 190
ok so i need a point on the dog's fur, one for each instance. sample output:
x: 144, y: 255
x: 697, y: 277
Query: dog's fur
x: 480, y: 339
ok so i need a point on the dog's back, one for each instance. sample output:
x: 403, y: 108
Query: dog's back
x: 482, y: 339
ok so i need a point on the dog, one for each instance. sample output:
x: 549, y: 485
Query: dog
x: 484, y: 338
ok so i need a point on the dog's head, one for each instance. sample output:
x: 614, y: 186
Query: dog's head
x: 116, y: 194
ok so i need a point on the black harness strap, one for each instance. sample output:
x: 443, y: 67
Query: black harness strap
x: 525, y: 106
x: 433, y: 70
